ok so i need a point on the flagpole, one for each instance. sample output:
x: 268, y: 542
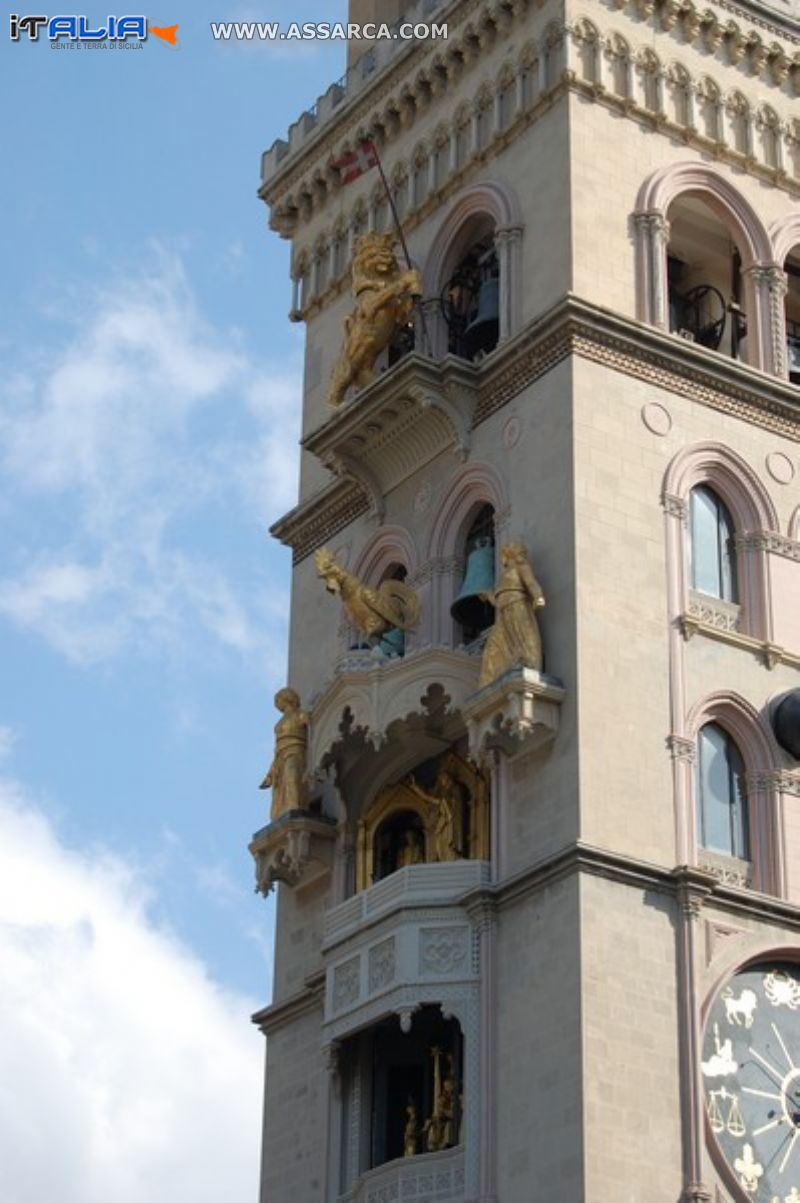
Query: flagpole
x: 401, y: 236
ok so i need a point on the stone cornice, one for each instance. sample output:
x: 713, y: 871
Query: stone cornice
x: 574, y: 328
x: 626, y: 870
x: 305, y: 167
x: 310, y: 998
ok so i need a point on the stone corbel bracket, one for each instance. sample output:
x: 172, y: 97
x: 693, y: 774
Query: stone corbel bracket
x: 405, y: 419
x: 518, y: 710
x: 296, y: 849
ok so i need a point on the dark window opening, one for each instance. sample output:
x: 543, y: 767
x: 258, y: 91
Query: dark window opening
x: 470, y: 302
x: 471, y: 609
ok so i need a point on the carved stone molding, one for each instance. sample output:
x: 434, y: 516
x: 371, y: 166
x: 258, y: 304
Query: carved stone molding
x: 376, y: 692
x: 728, y: 870
x: 779, y: 545
x: 710, y: 612
x: 520, y: 708
x: 681, y: 748
x: 398, y: 424
x: 295, y: 849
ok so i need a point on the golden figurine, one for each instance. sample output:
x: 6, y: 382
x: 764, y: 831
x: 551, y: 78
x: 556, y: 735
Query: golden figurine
x: 385, y: 295
x: 374, y: 611
x: 411, y: 853
x: 514, y: 639
x: 287, y: 773
x: 410, y: 1131
x: 438, y: 1130
x: 445, y: 800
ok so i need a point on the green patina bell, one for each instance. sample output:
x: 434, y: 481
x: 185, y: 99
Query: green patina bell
x: 469, y: 608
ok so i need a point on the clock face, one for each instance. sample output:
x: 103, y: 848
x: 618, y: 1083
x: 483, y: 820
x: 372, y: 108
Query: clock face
x: 751, y: 1078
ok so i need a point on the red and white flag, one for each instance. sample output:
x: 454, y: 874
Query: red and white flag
x: 356, y: 162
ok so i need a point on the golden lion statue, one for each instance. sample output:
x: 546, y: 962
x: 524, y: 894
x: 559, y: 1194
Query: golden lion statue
x: 385, y: 295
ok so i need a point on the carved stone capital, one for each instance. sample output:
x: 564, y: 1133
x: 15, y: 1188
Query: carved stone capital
x: 682, y: 748
x: 676, y: 507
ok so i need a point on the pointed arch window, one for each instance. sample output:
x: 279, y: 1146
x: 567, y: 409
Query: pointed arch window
x: 722, y: 821
x: 712, y: 549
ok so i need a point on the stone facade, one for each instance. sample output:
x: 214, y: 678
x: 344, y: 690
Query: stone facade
x: 603, y: 142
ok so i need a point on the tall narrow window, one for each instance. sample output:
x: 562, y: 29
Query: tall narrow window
x: 712, y: 549
x: 721, y: 799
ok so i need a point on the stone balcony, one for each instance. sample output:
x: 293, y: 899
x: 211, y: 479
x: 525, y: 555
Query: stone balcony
x: 427, y: 1178
x: 402, y: 942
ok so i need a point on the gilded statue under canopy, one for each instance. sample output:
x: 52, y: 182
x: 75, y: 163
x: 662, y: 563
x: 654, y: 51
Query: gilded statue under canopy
x: 393, y: 605
x: 385, y: 294
x: 287, y: 773
x: 514, y: 639
x: 445, y: 800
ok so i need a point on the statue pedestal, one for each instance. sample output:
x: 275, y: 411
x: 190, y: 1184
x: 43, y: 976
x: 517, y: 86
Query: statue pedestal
x: 521, y: 708
x: 297, y: 849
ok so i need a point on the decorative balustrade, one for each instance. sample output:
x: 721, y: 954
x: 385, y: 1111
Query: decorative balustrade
x: 413, y: 886
x: 427, y: 1178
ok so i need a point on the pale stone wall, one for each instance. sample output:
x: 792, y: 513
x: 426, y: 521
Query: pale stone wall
x: 539, y: 1063
x: 294, y: 1142
x: 631, y: 1089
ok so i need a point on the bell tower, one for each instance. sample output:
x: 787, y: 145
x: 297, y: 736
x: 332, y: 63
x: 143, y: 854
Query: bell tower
x: 535, y: 791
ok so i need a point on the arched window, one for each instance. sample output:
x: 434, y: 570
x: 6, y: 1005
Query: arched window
x: 712, y: 551
x: 339, y: 249
x: 379, y: 206
x: 506, y: 89
x: 470, y: 299
x: 419, y: 178
x: 400, y: 189
x: 722, y: 820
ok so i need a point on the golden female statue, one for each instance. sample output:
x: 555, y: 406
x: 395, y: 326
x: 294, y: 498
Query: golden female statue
x: 514, y: 639
x: 287, y: 774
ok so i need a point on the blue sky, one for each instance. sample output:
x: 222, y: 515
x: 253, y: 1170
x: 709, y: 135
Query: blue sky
x: 148, y: 421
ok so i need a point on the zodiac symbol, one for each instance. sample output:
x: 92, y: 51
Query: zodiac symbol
x: 721, y: 1063
x: 740, y: 1010
x: 782, y: 990
x: 734, y: 1122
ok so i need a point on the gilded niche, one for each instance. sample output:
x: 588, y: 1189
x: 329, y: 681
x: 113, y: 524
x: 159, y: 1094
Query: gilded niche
x: 514, y: 639
x: 411, y: 823
x: 287, y: 773
x: 385, y: 294
x: 392, y: 606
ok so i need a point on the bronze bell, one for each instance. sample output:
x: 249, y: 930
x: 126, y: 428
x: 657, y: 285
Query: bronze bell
x: 483, y: 327
x: 469, y: 608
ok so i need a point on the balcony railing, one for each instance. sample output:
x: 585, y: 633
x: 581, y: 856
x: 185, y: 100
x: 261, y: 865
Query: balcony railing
x: 428, y: 1178
x: 415, y: 885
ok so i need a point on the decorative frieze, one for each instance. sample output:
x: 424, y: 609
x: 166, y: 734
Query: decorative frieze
x: 382, y: 964
x: 346, y: 984
x: 443, y: 951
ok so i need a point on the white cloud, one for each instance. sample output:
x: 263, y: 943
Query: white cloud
x: 126, y: 1073
x: 146, y: 419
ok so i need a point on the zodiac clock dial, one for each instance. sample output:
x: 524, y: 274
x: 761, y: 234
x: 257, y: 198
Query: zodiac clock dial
x: 751, y: 1078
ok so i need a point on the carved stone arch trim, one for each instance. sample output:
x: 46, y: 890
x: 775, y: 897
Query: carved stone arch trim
x: 785, y: 234
x: 725, y: 471
x: 651, y: 221
x: 497, y: 200
x: 389, y: 545
x: 474, y: 485
x: 739, y: 719
x: 794, y: 525
x: 668, y: 183
x: 752, y: 510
